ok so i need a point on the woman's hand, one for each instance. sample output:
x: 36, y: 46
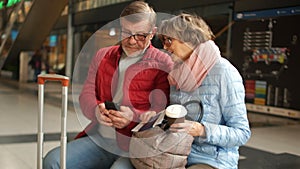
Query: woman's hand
x: 191, y: 127
x: 145, y: 117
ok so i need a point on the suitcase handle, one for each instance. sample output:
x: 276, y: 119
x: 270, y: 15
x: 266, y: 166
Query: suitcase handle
x: 42, y: 78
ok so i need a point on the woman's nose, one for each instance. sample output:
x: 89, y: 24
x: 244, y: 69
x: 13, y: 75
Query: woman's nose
x: 165, y: 47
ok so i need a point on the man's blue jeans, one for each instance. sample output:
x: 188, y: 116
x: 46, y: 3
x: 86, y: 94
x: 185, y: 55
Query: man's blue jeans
x: 82, y: 153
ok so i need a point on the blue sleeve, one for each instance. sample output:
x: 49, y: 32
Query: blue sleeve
x: 234, y: 129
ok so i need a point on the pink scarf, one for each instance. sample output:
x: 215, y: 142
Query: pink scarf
x: 189, y: 75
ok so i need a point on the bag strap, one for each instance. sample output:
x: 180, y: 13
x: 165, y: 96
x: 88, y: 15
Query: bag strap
x: 200, y: 107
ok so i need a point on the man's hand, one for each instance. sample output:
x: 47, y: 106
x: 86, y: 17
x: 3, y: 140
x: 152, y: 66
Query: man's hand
x: 102, y: 115
x: 122, y: 118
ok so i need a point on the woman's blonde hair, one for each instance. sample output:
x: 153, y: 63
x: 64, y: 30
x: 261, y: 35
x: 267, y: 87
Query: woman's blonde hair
x: 188, y: 28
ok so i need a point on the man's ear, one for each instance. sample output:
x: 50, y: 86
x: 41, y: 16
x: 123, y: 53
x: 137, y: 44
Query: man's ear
x: 154, y: 30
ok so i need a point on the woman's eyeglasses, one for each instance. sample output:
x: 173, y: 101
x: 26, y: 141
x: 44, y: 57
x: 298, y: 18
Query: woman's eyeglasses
x: 137, y: 36
x: 166, y: 41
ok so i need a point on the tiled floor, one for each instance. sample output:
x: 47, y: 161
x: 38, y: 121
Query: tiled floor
x: 18, y: 127
x: 19, y: 110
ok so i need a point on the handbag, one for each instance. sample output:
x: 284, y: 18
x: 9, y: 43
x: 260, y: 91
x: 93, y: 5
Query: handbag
x: 154, y: 148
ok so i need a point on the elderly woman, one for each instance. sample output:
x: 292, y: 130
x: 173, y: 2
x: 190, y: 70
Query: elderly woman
x: 201, y: 74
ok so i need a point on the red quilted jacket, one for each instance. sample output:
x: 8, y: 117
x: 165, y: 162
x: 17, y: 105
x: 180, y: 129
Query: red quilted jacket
x: 140, y: 81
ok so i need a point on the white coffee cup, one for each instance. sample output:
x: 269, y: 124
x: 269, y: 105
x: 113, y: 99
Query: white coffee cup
x: 175, y: 114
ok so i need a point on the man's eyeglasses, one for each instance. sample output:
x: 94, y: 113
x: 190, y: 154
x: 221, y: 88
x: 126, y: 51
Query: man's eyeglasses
x: 137, y: 36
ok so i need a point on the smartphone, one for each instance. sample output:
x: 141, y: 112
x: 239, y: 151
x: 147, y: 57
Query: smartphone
x: 112, y: 106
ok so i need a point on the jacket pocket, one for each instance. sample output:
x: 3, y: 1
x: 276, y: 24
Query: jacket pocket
x: 207, y: 149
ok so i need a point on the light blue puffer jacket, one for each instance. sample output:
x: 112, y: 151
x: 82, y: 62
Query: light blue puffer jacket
x: 225, y: 119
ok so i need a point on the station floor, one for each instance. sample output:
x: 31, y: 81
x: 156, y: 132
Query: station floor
x: 274, y: 144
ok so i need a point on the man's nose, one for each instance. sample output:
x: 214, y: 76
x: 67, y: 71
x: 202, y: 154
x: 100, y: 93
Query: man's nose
x: 131, y: 39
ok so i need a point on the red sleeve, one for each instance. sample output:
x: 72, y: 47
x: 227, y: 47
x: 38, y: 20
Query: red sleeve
x: 160, y: 98
x: 87, y: 99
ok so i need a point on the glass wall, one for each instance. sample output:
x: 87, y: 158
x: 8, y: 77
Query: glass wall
x: 12, y: 15
x: 82, y: 5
